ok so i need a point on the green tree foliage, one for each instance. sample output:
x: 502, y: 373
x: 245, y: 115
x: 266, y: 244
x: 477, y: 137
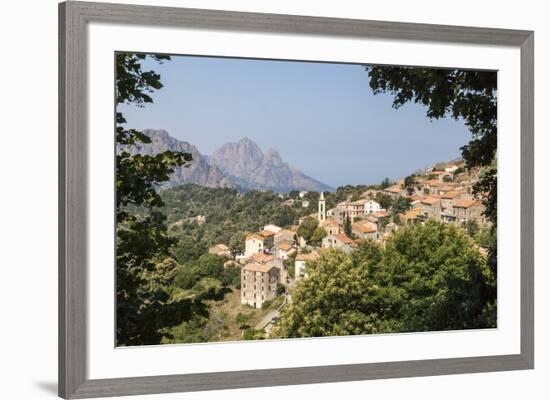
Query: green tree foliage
x: 355, y: 197
x: 242, y: 320
x: 195, y: 330
x: 447, y: 283
x: 144, y: 306
x: 400, y: 205
x: 253, y: 334
x: 472, y: 227
x: 410, y: 180
x: 307, y: 228
x: 318, y: 236
x: 459, y: 170
x: 430, y: 277
x: 236, y: 243
x: 347, y: 226
x: 207, y: 266
x: 384, y: 200
x: 386, y: 183
x: 281, y: 289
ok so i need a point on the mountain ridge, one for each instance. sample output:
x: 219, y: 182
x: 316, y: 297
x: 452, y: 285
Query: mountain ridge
x: 240, y: 165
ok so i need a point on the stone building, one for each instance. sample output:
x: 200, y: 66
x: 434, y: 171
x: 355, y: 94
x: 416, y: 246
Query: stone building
x: 258, y: 284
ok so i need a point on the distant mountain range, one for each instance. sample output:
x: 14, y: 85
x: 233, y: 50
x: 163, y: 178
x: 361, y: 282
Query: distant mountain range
x: 240, y: 165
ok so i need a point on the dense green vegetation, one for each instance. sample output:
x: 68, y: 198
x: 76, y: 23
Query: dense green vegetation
x: 144, y: 268
x: 429, y: 277
x: 230, y: 215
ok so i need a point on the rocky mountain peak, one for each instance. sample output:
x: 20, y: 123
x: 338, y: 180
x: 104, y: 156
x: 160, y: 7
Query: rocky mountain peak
x: 246, y: 164
x: 241, y: 165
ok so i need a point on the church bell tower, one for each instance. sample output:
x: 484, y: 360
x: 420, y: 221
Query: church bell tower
x: 322, y: 211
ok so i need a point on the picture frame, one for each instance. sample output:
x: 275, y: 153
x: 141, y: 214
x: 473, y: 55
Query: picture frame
x: 74, y: 18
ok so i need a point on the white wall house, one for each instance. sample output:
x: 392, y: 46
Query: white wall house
x: 253, y: 244
x: 372, y: 206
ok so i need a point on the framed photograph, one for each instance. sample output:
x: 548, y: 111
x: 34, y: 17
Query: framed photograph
x: 253, y: 200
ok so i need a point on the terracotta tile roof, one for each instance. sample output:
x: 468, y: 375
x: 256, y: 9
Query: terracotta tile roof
x: 261, y: 258
x: 284, y: 245
x: 363, y: 228
x: 255, y: 236
x: 433, y: 182
x: 381, y: 214
x: 416, y: 197
x: 451, y: 194
x: 360, y: 202
x: 344, y: 239
x: 221, y: 247
x: 465, y: 203
x: 430, y: 200
x: 307, y: 257
x: 267, y: 233
x: 257, y: 267
x: 393, y: 189
x: 330, y: 221
x: 284, y: 232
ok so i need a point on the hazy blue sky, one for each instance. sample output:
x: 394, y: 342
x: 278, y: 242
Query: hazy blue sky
x: 322, y: 118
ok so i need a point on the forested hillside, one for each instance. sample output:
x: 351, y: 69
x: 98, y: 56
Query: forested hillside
x: 229, y: 216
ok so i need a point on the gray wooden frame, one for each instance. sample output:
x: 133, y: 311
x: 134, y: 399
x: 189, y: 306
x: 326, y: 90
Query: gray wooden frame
x: 73, y: 20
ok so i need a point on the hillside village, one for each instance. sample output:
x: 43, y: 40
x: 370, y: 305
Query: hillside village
x: 275, y: 257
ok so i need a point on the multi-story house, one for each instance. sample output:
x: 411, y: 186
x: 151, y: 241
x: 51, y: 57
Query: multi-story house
x: 268, y: 259
x: 466, y: 210
x: 447, y: 200
x: 351, y: 209
x: 431, y: 207
x: 258, y: 284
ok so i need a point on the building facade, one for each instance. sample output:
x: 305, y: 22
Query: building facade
x: 258, y: 284
x: 253, y: 244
